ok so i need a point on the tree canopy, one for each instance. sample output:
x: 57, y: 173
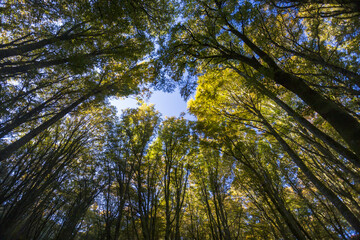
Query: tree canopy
x: 274, y: 152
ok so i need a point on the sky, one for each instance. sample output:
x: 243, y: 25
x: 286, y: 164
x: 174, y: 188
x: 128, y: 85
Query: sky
x: 168, y: 104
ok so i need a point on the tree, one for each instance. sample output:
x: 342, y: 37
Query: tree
x: 274, y: 152
x: 232, y: 102
x: 139, y: 126
x: 98, y: 46
x: 175, y: 146
x: 222, y: 32
x: 33, y: 182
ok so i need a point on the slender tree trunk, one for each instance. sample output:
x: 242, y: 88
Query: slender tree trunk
x: 353, y: 76
x: 305, y: 123
x: 167, y: 198
x: 278, y: 224
x: 345, y: 124
x: 21, y: 49
x: 20, y: 209
x: 68, y: 229
x: 309, y: 205
x: 11, y: 148
x: 25, y: 117
x: 331, y: 196
x: 313, y: 129
x: 23, y: 68
x: 287, y: 216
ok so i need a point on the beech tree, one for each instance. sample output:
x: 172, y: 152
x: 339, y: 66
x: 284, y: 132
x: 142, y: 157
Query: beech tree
x: 226, y: 32
x: 87, y: 52
x: 274, y: 152
x: 231, y: 101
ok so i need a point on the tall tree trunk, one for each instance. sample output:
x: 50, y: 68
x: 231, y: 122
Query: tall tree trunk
x: 74, y: 215
x: 24, y: 48
x: 305, y: 123
x: 345, y: 124
x: 11, y: 148
x: 330, y: 195
x: 287, y: 216
x: 25, y: 117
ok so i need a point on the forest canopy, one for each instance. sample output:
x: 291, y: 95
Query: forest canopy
x: 274, y: 152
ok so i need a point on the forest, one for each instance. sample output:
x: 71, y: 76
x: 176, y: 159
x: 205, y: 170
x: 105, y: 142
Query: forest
x: 274, y: 152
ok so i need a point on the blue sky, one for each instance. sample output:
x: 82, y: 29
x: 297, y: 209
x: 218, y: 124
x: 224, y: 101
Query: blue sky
x: 168, y: 104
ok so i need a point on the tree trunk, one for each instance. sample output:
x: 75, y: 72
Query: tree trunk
x: 345, y: 124
x: 331, y: 196
x: 11, y: 148
x: 25, y: 117
x: 309, y: 126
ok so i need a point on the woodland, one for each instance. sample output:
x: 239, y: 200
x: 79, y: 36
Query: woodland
x: 274, y: 152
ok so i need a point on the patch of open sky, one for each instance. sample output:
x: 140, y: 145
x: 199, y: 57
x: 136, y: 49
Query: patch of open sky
x: 168, y: 104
